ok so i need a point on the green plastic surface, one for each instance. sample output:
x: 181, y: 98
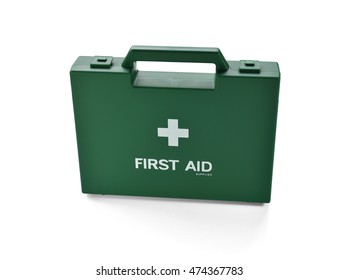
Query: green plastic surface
x: 226, y: 120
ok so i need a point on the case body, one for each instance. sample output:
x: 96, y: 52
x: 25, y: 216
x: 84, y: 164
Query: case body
x: 179, y: 135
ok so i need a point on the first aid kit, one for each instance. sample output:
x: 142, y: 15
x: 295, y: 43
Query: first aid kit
x: 176, y: 134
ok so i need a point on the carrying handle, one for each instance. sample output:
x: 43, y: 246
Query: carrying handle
x: 176, y: 54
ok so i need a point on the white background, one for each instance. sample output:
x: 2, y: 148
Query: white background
x: 50, y: 230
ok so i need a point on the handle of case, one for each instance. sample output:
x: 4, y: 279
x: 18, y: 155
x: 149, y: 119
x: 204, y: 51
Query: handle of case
x: 176, y: 54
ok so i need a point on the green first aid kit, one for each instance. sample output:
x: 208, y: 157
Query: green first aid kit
x: 171, y: 134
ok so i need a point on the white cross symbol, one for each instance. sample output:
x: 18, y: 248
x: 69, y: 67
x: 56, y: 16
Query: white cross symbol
x: 173, y: 132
